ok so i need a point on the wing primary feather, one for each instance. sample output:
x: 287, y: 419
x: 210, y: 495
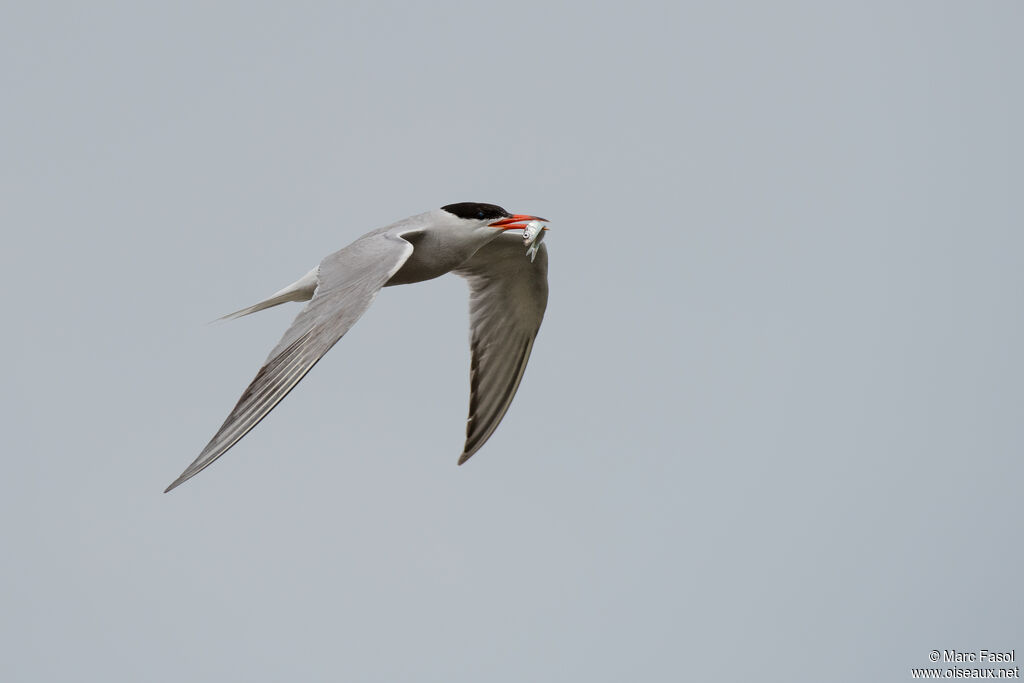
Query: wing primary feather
x: 480, y: 426
x: 252, y: 406
x: 254, y: 403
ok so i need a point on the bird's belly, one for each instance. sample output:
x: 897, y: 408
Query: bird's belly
x: 417, y: 270
x: 433, y: 257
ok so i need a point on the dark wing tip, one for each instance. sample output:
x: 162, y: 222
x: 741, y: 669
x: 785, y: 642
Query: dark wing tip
x: 185, y: 476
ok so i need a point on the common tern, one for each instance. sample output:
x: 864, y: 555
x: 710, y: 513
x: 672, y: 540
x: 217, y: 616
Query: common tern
x: 508, y: 295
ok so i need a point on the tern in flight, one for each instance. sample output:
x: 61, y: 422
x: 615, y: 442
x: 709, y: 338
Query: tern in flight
x: 508, y: 294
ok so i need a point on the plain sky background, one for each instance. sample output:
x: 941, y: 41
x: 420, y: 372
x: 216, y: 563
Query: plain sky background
x: 771, y: 429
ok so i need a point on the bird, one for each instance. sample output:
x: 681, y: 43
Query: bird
x: 508, y: 296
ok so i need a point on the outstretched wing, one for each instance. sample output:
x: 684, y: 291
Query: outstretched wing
x: 348, y: 282
x: 508, y: 295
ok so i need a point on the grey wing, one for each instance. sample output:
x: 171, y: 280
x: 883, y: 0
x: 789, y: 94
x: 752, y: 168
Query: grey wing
x: 508, y: 295
x: 348, y: 283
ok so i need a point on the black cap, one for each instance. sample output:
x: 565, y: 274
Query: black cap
x: 477, y: 212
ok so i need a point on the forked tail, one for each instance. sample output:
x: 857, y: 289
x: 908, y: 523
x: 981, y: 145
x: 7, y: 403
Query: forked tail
x: 300, y: 290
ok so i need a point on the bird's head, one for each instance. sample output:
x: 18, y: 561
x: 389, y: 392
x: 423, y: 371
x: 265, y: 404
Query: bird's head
x: 489, y: 215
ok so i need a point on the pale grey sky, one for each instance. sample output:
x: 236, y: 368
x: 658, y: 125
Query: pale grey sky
x: 771, y: 429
